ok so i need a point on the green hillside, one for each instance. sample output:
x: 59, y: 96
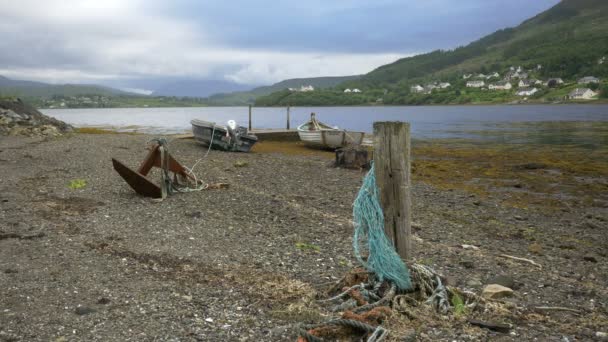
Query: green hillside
x: 249, y: 97
x: 29, y: 89
x: 567, y: 40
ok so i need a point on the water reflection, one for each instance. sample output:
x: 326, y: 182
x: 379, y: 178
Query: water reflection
x: 587, y: 134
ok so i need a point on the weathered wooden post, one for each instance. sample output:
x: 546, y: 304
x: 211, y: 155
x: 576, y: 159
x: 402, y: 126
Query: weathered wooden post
x: 250, y: 117
x: 288, y: 108
x: 392, y: 170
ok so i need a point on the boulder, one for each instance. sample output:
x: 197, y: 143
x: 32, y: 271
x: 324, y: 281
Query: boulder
x: 502, y: 280
x: 18, y: 118
x: 495, y: 291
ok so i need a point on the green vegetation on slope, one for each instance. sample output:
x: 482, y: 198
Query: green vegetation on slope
x: 567, y: 41
x: 249, y: 97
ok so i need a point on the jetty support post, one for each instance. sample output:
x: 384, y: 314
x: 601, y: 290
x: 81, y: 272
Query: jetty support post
x: 288, y: 109
x: 392, y: 170
x: 250, y: 117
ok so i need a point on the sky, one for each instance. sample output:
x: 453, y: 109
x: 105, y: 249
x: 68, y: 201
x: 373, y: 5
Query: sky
x: 134, y: 43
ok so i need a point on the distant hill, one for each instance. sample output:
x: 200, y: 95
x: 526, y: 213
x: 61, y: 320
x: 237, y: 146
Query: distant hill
x: 198, y: 88
x: 30, y: 89
x: 567, y: 41
x: 248, y: 97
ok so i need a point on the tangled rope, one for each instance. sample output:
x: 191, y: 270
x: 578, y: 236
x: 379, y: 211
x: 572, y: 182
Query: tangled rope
x: 369, y: 235
x: 388, y: 286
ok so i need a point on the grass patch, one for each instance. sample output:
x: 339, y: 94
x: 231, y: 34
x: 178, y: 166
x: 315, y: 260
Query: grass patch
x: 458, y: 304
x: 241, y: 163
x: 307, y: 247
x: 77, y: 184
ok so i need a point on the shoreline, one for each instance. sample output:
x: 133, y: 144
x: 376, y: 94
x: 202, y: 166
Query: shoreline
x: 250, y: 260
x: 598, y: 102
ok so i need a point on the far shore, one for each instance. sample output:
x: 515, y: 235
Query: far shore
x: 567, y: 103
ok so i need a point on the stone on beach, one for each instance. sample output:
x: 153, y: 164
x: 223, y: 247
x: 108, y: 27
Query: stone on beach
x: 495, y: 291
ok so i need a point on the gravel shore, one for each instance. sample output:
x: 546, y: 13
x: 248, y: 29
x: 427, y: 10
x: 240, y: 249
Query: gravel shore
x: 101, y: 263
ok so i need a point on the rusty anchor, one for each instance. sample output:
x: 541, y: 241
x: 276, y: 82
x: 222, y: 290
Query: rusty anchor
x: 158, y: 156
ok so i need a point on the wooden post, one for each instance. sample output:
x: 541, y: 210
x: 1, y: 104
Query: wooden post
x: 288, y: 117
x: 392, y: 170
x: 250, y: 117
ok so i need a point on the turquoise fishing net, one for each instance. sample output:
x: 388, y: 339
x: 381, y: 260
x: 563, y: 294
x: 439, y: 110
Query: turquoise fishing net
x: 369, y: 236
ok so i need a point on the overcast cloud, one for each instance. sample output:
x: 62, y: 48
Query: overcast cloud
x: 251, y: 42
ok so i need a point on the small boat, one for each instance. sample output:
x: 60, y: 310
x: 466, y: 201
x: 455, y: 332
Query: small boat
x: 224, y: 138
x: 317, y: 134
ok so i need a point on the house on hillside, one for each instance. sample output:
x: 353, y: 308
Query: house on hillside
x: 589, y: 79
x: 303, y: 88
x: 525, y: 84
x: 481, y: 76
x: 582, y: 94
x: 416, y: 89
x: 356, y: 90
x: 467, y: 76
x: 510, y: 75
x: 502, y: 85
x: 475, y: 84
x: 526, y: 92
x: 347, y: 90
x: 552, y: 82
x: 602, y: 60
x: 444, y: 85
x: 494, y: 75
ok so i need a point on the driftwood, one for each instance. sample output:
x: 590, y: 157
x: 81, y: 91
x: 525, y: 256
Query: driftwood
x: 521, y: 259
x: 556, y: 308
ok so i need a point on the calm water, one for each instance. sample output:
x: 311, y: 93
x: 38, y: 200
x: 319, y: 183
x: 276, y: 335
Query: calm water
x: 553, y: 124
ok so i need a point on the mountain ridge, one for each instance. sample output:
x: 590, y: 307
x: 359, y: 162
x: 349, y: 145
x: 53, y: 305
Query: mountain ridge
x: 23, y: 88
x: 566, y: 40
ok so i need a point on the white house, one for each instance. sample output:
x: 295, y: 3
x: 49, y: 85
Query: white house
x: 582, y: 94
x: 417, y: 89
x: 526, y: 92
x: 444, y: 85
x: 525, y: 84
x: 347, y: 90
x: 475, y: 84
x: 356, y: 90
x: 303, y: 88
x: 481, y: 76
x: 467, y: 76
x: 503, y: 85
x: 494, y: 75
x: 589, y: 79
x: 602, y: 60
